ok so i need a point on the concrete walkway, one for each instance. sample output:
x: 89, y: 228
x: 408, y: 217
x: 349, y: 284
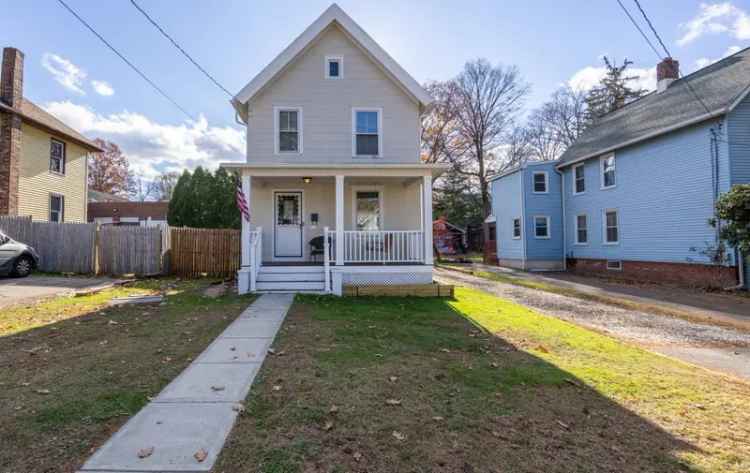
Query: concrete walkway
x: 184, y: 428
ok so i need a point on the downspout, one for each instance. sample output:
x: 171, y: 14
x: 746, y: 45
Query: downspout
x: 522, y: 176
x: 564, y: 220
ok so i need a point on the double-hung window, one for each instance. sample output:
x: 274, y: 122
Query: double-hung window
x: 368, y: 209
x: 579, y: 179
x: 516, y: 228
x: 582, y: 229
x: 609, y: 178
x: 541, y: 226
x: 334, y: 67
x: 541, y: 182
x: 367, y: 131
x: 611, y: 227
x: 288, y: 130
x: 56, y: 208
x: 57, y: 156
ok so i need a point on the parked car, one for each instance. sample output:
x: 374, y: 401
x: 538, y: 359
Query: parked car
x: 16, y: 259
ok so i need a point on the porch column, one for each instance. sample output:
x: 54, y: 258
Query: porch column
x: 427, y: 218
x: 339, y: 220
x: 243, y: 275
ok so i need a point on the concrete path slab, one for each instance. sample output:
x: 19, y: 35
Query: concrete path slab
x: 196, y: 411
x: 211, y: 382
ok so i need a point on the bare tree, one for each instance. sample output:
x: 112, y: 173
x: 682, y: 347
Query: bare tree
x: 140, y: 190
x: 555, y: 125
x: 164, y: 185
x: 488, y: 100
x: 439, y: 130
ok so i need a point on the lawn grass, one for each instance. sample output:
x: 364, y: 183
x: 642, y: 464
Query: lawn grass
x: 614, y: 301
x: 72, y: 369
x: 477, y: 384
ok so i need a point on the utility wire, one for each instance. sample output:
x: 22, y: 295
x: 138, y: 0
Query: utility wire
x: 650, y: 25
x: 638, y: 27
x: 179, y: 48
x: 132, y: 66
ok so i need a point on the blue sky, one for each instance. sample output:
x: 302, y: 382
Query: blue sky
x: 76, y: 77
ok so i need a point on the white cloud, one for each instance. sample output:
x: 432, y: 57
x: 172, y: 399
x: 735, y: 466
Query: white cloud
x: 151, y: 147
x: 716, y: 18
x: 704, y: 61
x: 64, y: 72
x: 588, y: 77
x: 102, y: 88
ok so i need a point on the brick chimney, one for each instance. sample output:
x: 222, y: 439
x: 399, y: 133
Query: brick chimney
x: 667, y: 72
x: 11, y: 93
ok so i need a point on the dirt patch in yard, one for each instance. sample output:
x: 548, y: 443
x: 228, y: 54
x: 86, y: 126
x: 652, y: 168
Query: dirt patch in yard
x: 397, y: 384
x: 72, y: 370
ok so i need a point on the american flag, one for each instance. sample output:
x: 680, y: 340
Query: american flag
x: 242, y: 202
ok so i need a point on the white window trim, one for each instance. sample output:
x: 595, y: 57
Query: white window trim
x: 588, y: 230
x: 513, y: 228
x: 63, y: 159
x: 549, y: 228
x: 300, y: 129
x: 380, y: 191
x: 604, y: 228
x: 574, y: 179
x: 327, y: 71
x: 601, y: 171
x: 546, y: 182
x: 354, y: 131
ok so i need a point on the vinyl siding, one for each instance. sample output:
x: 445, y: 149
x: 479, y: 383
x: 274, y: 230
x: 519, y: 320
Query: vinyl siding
x: 36, y: 182
x: 738, y: 132
x: 506, y: 206
x: 549, y: 205
x: 327, y: 108
x: 663, y: 197
x: 401, y: 205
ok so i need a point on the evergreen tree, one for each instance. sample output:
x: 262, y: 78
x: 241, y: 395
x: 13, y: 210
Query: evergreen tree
x: 204, y: 200
x: 179, y: 203
x: 457, y: 201
x: 613, y: 91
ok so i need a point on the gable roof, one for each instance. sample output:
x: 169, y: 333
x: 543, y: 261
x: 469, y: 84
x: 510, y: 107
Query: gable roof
x: 334, y: 15
x: 721, y: 86
x: 37, y: 116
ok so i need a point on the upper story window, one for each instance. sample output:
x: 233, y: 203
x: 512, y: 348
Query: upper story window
x: 611, y: 227
x: 541, y: 181
x: 367, y: 132
x: 609, y: 178
x: 288, y: 130
x: 56, y: 208
x: 334, y: 67
x: 541, y: 227
x: 57, y: 156
x: 579, y: 179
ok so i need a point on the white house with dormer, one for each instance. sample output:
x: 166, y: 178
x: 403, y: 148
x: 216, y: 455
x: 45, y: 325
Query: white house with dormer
x: 333, y: 155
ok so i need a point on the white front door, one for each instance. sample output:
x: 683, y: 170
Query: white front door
x: 288, y: 225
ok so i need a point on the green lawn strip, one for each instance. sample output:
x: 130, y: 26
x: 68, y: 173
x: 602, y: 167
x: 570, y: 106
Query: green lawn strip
x: 484, y: 385
x: 570, y: 292
x: 70, y: 381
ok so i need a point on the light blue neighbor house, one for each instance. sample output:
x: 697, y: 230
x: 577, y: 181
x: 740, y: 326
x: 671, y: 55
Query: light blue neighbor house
x: 633, y: 196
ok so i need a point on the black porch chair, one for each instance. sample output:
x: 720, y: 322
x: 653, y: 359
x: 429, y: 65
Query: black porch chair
x: 317, y: 248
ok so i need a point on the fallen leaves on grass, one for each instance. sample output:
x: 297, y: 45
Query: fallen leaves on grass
x: 563, y: 425
x: 277, y: 387
x: 393, y: 379
x: 145, y: 452
x: 398, y: 436
x: 393, y: 402
x: 334, y: 409
x: 42, y: 391
x: 438, y: 418
x: 239, y: 407
x: 328, y: 426
x: 357, y: 457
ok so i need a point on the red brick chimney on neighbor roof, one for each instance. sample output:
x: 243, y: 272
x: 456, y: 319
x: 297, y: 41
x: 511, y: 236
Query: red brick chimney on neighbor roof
x: 11, y: 94
x: 667, y: 72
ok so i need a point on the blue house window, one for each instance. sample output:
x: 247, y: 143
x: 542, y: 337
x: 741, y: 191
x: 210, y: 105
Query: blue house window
x: 516, y: 228
x: 579, y: 178
x: 540, y: 182
x: 611, y: 227
x: 541, y: 227
x: 608, y: 172
x: 582, y: 229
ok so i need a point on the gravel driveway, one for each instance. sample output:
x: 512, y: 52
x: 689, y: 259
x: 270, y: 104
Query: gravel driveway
x: 710, y: 346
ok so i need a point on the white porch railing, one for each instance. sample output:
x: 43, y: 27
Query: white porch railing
x: 256, y: 256
x: 388, y: 246
x: 327, y: 258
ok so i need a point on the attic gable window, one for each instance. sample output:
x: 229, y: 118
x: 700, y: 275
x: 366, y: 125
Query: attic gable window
x: 367, y: 132
x: 334, y: 67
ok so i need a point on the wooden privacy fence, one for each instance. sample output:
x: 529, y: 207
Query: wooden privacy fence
x: 197, y: 252
x: 126, y: 250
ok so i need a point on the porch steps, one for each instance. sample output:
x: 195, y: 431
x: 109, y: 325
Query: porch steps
x: 291, y: 279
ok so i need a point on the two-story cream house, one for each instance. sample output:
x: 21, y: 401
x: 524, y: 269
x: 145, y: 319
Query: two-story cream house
x: 43, y: 162
x: 333, y: 155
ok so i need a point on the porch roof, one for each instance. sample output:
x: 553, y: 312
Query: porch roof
x: 333, y: 169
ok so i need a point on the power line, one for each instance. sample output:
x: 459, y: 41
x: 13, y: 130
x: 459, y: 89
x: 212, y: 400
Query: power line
x: 638, y: 27
x: 650, y: 25
x: 132, y: 66
x: 176, y: 45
